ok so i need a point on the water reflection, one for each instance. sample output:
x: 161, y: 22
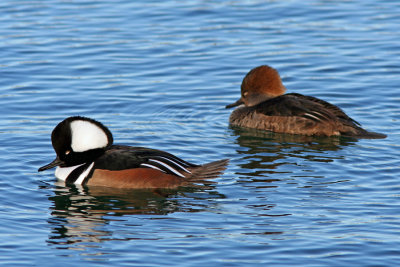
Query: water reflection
x: 279, y: 169
x: 80, y: 215
x: 263, y: 153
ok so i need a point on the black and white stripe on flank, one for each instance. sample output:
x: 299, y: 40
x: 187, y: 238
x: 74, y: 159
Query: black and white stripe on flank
x: 176, y: 162
x: 168, y: 165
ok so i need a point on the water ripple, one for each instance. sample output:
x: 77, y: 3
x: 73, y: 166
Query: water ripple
x: 159, y: 74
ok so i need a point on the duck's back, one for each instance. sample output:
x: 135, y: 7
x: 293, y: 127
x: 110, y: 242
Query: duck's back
x: 298, y: 114
x: 138, y: 167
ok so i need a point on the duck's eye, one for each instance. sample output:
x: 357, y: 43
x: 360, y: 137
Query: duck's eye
x: 245, y: 93
x: 67, y: 152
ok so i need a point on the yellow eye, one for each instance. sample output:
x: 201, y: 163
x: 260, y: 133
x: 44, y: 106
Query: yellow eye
x: 245, y: 93
x: 67, y: 152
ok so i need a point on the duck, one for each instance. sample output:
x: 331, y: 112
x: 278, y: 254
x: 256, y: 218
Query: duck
x: 87, y: 156
x: 264, y: 105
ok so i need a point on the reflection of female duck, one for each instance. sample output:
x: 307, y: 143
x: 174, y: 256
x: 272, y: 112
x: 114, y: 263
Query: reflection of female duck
x: 266, y: 107
x: 264, y: 152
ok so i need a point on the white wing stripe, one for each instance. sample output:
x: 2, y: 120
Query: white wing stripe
x: 176, y: 163
x: 167, y: 166
x: 312, y: 116
x: 151, y: 166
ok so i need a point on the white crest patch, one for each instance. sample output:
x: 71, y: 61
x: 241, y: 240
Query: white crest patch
x: 87, y: 135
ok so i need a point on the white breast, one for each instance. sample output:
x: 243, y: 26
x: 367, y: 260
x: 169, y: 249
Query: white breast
x: 62, y: 173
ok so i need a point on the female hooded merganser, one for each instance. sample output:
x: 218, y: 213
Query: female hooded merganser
x: 266, y: 107
x: 86, y: 156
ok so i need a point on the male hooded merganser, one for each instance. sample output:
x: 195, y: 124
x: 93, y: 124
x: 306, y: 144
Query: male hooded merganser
x: 86, y: 156
x: 266, y: 107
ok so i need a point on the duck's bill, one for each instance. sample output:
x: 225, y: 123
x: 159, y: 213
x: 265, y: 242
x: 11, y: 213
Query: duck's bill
x: 54, y: 163
x: 237, y: 103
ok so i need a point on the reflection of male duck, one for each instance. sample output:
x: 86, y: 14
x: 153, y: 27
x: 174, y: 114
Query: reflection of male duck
x: 266, y: 107
x: 79, y: 214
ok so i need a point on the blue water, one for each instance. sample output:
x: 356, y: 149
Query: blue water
x: 158, y: 74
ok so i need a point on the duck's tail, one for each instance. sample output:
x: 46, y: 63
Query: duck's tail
x: 373, y: 135
x: 211, y: 170
x: 359, y: 132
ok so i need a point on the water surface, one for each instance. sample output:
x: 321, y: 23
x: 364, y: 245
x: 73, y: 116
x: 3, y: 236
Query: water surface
x: 159, y: 74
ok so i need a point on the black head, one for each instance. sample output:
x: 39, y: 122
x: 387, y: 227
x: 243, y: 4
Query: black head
x: 78, y: 140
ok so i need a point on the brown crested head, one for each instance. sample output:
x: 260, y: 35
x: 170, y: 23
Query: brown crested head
x: 260, y: 84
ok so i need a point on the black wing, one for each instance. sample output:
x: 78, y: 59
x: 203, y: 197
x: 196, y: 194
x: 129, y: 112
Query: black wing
x: 126, y: 157
x: 304, y: 106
